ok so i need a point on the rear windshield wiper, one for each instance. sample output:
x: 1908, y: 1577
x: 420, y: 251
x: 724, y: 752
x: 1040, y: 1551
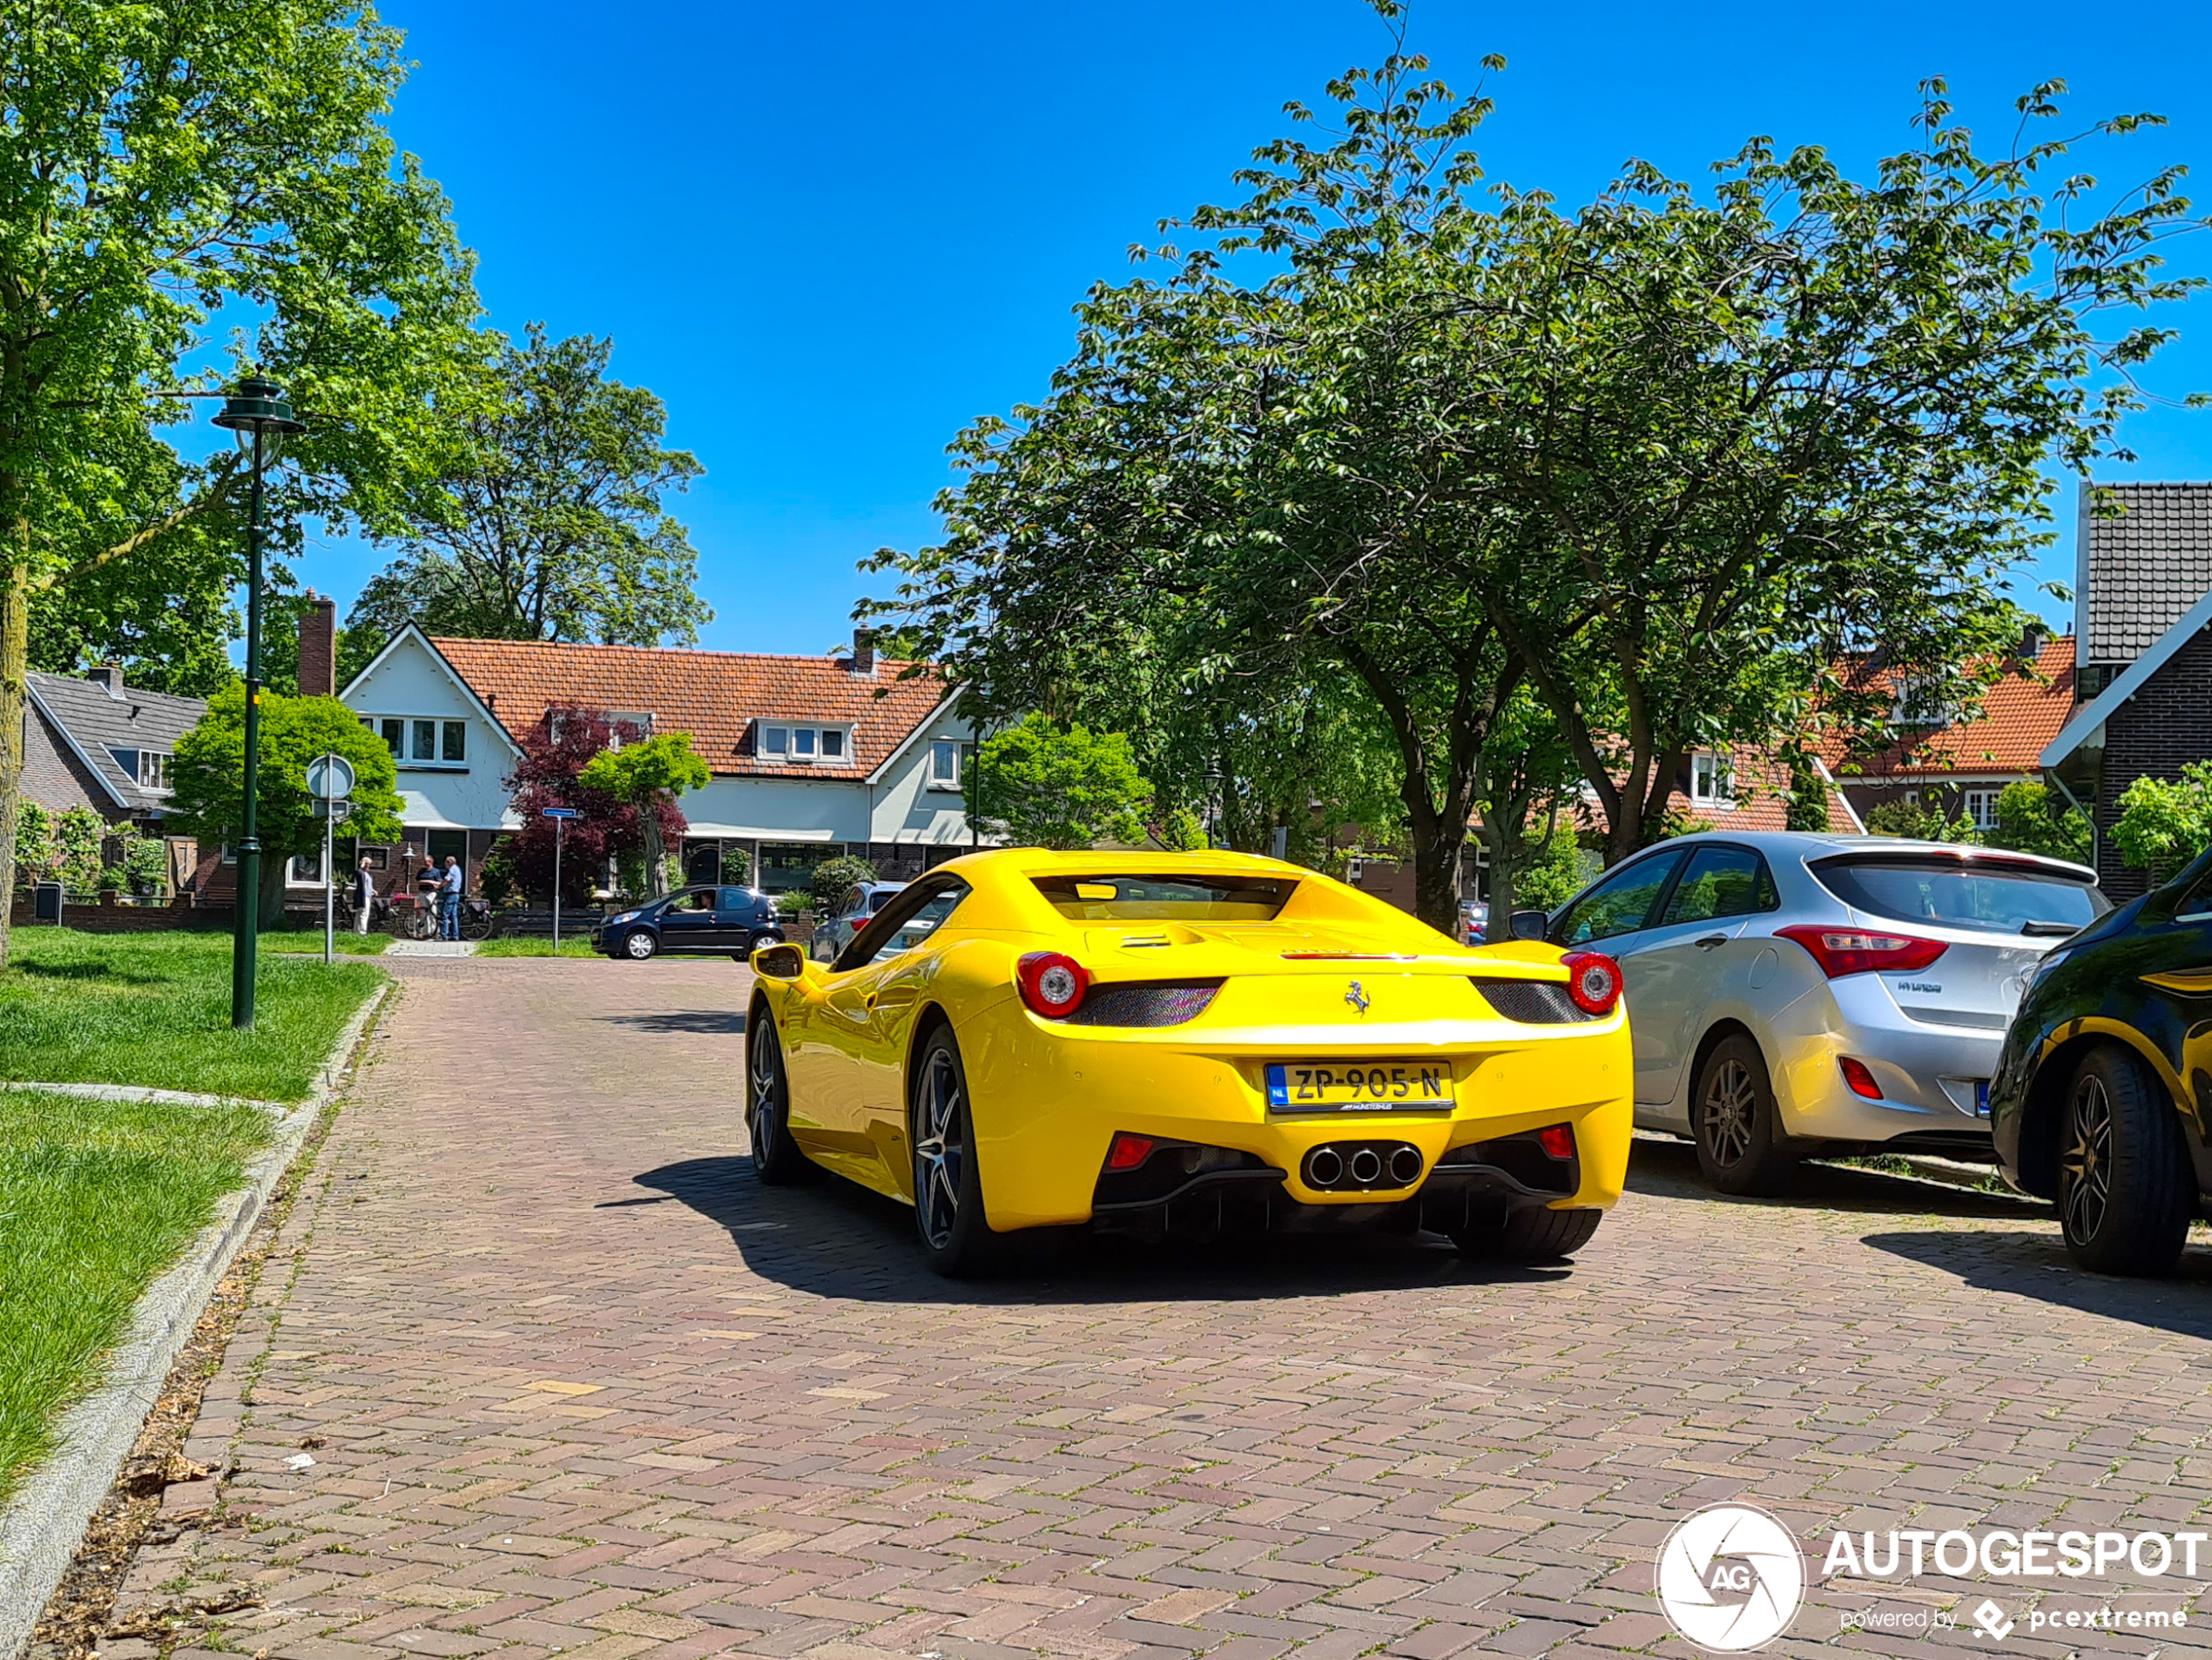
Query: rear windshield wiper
x: 2052, y: 929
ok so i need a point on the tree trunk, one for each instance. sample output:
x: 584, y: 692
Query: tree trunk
x: 655, y: 851
x: 14, y: 652
x: 1499, y: 839
x: 1437, y: 849
x: 274, y: 867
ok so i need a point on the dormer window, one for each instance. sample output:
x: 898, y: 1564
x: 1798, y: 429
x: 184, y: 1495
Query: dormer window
x: 1712, y: 780
x: 781, y: 741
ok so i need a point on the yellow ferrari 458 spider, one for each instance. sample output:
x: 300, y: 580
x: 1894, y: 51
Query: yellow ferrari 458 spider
x: 1178, y: 1043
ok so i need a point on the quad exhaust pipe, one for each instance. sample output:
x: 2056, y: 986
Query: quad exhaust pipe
x: 1363, y: 1166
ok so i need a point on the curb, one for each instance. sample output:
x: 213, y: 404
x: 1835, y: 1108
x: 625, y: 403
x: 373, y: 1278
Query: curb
x: 42, y: 1527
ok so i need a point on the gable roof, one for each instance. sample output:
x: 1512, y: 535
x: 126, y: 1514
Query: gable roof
x: 413, y: 631
x: 93, y: 721
x: 714, y: 696
x: 2090, y: 719
x: 2018, y: 717
x: 2140, y: 572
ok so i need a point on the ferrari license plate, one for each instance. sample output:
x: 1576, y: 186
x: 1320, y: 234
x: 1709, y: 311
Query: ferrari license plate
x: 1359, y: 1086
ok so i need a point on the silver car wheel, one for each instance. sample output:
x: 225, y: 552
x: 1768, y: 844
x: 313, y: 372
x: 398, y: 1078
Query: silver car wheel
x: 637, y: 945
x: 763, y: 1106
x: 1731, y: 1100
x: 2085, y: 1168
x: 940, y: 1150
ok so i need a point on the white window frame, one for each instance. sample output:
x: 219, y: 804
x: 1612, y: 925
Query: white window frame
x: 1712, y: 779
x: 1978, y: 803
x: 800, y: 742
x: 443, y: 728
x: 154, y: 770
x: 938, y: 746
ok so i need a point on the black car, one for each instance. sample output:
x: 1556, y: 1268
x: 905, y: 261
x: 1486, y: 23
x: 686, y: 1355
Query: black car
x: 714, y: 921
x: 2103, y: 1094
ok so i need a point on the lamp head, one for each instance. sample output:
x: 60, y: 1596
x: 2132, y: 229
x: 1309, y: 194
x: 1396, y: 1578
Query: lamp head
x: 259, y: 405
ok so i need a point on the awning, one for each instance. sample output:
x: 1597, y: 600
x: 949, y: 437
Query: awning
x: 753, y: 833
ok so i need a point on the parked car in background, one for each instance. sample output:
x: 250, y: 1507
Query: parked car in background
x: 1790, y: 994
x: 860, y: 904
x: 1475, y: 922
x: 712, y: 922
x: 2104, y: 1092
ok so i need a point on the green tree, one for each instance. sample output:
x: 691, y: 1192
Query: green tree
x: 2029, y: 820
x: 546, y: 521
x: 1051, y: 785
x: 1918, y: 821
x: 2164, y: 825
x: 649, y: 776
x: 830, y: 883
x: 187, y: 191
x: 207, y: 781
x: 79, y: 834
x: 1552, y: 869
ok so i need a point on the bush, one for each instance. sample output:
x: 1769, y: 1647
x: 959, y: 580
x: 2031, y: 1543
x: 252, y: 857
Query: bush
x: 2028, y: 821
x: 38, y: 851
x: 1917, y: 821
x: 737, y: 866
x: 496, y: 879
x: 78, y: 834
x: 1183, y: 831
x: 833, y: 881
x: 145, y: 865
x: 2164, y: 825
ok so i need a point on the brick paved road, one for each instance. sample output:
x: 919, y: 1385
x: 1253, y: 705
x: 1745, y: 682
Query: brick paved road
x: 572, y: 1384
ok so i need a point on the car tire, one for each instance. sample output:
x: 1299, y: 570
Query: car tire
x: 777, y: 1160
x: 638, y: 945
x: 1732, y: 1119
x: 2126, y: 1190
x: 1531, y: 1236
x: 956, y: 1240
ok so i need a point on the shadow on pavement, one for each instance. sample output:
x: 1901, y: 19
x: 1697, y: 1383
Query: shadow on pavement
x: 1669, y: 1170
x: 2035, y: 1265
x: 701, y: 1021
x: 837, y: 1239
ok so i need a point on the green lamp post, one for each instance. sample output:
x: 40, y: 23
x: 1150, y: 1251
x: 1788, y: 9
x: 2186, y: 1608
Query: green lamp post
x: 257, y: 413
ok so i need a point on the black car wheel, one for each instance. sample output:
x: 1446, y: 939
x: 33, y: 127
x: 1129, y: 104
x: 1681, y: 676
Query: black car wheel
x: 2125, y: 1187
x: 1733, y: 1119
x: 775, y: 1157
x: 1531, y: 1236
x: 638, y: 944
x: 956, y: 1241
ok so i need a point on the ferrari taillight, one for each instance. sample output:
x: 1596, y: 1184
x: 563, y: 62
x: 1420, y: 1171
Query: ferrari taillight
x: 1593, y: 980
x: 1052, y: 984
x: 1557, y: 1140
x: 1841, y: 951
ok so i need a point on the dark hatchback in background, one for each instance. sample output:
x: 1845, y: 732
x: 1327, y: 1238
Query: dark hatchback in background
x: 2103, y: 1092
x: 705, y: 921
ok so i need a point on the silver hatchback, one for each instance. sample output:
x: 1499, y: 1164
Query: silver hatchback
x: 1790, y: 994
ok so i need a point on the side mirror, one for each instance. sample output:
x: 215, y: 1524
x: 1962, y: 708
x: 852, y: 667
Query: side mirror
x: 1530, y: 925
x: 779, y: 962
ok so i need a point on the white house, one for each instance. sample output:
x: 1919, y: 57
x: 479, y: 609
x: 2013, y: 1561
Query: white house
x: 811, y: 757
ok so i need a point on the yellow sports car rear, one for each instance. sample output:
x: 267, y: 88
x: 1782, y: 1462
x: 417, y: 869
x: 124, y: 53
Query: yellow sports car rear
x: 1183, y: 1043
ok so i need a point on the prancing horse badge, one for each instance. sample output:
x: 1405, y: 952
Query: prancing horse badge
x: 1357, y: 998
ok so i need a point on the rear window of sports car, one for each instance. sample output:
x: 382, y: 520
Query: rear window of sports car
x: 1112, y: 897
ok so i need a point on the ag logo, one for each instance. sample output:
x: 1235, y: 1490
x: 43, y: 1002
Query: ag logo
x: 1730, y: 1578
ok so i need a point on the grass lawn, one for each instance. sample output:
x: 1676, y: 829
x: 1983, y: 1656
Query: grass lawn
x: 577, y: 947
x: 97, y: 1198
x: 294, y: 943
x: 154, y: 1009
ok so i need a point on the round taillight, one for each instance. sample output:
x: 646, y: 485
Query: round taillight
x: 1593, y: 980
x: 1053, y: 984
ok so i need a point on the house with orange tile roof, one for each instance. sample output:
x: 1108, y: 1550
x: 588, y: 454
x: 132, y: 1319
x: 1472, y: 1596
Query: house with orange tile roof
x: 1962, y: 766
x: 808, y: 757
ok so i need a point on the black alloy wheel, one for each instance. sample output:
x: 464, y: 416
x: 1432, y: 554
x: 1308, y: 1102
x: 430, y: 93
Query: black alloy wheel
x: 1733, y: 1120
x: 956, y: 1240
x: 2126, y: 1188
x: 776, y: 1158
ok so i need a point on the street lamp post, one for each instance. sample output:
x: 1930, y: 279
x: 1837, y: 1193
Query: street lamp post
x: 560, y: 817
x: 256, y: 408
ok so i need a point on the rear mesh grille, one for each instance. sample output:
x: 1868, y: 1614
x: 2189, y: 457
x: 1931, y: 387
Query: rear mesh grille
x: 1533, y: 1002
x: 1158, y: 1002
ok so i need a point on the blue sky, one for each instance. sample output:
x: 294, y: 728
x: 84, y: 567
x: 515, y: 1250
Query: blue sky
x: 830, y: 235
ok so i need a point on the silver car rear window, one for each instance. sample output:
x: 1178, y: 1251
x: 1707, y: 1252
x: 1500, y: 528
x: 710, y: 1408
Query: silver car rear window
x: 1954, y: 893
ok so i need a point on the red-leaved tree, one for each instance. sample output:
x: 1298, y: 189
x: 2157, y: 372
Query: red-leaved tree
x: 554, y: 752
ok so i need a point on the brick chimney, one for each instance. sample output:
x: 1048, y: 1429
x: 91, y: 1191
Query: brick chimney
x: 319, y: 647
x: 863, y: 651
x: 110, y: 676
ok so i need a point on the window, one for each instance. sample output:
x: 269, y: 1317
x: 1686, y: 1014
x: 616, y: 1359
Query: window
x: 944, y: 764
x: 396, y: 738
x: 1117, y: 896
x: 416, y: 742
x: 787, y: 865
x: 125, y: 758
x: 921, y: 910
x: 1712, y: 780
x: 2195, y: 906
x: 1980, y: 806
x: 305, y: 869
x: 426, y: 740
x: 1955, y: 893
x: 454, y: 741
x: 804, y: 744
x: 229, y: 854
x: 154, y: 770
x: 1721, y: 881
x: 1619, y: 904
x: 1920, y: 703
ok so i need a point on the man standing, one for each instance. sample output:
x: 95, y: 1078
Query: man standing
x: 449, y: 894
x: 364, y: 897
